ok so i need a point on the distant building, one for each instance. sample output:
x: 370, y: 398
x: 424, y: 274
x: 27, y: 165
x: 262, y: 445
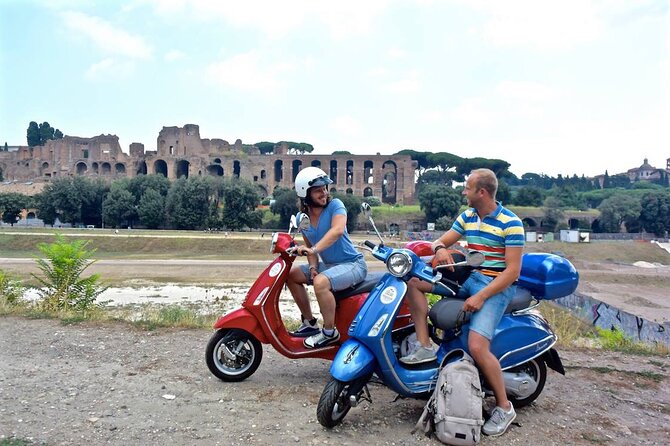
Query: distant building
x: 182, y: 153
x: 646, y: 172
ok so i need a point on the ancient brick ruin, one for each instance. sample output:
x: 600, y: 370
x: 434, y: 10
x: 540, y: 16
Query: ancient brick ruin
x: 182, y: 153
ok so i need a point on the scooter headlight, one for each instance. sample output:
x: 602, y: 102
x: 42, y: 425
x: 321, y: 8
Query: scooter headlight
x: 273, y: 245
x: 399, y: 264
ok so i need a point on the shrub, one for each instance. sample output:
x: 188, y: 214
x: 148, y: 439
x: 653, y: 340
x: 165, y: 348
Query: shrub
x: 11, y: 290
x: 62, y: 285
x: 373, y: 201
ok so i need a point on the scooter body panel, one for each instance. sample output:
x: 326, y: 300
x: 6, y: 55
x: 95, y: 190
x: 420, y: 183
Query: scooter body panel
x: 243, y: 319
x: 352, y: 361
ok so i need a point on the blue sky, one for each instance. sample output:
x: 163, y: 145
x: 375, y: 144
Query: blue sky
x: 569, y: 87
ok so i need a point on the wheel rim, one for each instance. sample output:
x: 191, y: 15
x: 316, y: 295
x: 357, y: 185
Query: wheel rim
x: 231, y: 360
x: 532, y: 369
x: 341, y: 406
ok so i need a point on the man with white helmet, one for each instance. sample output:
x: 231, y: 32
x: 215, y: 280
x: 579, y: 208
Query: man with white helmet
x: 333, y: 262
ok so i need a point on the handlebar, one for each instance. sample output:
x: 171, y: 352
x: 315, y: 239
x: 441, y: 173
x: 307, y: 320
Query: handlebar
x: 369, y: 244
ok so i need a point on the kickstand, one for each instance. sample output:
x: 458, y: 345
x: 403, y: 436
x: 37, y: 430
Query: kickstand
x: 365, y: 394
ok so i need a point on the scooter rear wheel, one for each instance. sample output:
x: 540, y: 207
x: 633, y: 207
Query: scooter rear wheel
x: 233, y: 355
x: 334, y: 403
x: 537, y: 370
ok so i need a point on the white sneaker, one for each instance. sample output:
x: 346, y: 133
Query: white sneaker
x: 499, y: 421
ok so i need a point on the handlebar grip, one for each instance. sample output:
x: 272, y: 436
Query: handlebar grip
x: 369, y: 244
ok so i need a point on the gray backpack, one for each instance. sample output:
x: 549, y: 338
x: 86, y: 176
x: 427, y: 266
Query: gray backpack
x: 454, y: 411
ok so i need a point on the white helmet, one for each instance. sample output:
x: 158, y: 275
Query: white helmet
x: 310, y: 177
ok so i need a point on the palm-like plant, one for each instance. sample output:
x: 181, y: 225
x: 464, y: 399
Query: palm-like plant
x: 63, y: 288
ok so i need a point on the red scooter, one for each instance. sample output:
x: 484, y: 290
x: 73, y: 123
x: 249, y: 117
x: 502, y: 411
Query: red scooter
x: 235, y: 350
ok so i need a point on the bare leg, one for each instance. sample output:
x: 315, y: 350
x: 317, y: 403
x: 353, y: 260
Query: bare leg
x: 418, y: 307
x: 488, y: 364
x: 295, y: 283
x: 326, y: 300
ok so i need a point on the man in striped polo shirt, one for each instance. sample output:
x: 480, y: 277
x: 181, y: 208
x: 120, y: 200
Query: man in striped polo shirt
x: 494, y: 230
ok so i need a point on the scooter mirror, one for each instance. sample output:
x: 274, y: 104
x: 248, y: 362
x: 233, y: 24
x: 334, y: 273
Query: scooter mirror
x: 367, y: 210
x: 475, y: 258
x: 303, y: 222
x: 292, y: 223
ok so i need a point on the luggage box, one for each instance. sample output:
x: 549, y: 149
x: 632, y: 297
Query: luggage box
x: 548, y: 276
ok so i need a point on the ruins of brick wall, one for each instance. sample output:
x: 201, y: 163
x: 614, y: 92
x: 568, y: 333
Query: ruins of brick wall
x: 181, y: 152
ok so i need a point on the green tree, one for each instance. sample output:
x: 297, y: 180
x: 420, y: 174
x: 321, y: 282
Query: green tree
x: 439, y: 201
x: 353, y: 205
x: 655, y: 213
x: 72, y: 200
x: 187, y: 203
x: 285, y: 204
x: 119, y: 208
x: 444, y: 223
x: 504, y: 193
x: 529, y: 196
x: 554, y: 215
x: 151, y: 209
x: 140, y: 184
x: 62, y: 287
x: 33, y: 134
x: 341, y: 152
x: 298, y: 148
x: 241, y: 199
x: 618, y: 209
x: 11, y: 205
x: 265, y: 147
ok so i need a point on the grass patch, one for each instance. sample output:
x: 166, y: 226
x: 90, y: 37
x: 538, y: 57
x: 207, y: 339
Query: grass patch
x: 15, y: 442
x: 645, y: 374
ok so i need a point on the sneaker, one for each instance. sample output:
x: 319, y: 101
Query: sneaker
x: 499, y: 421
x: 321, y: 339
x: 419, y: 356
x: 306, y: 329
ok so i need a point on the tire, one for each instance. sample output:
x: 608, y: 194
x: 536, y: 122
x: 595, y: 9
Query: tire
x: 538, y: 370
x: 334, y: 403
x: 223, y: 344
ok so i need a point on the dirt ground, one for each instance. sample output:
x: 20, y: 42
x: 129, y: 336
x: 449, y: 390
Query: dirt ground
x: 115, y: 385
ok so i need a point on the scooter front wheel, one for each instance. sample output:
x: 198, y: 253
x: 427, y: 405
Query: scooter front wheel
x: 536, y: 370
x: 334, y: 403
x: 233, y: 355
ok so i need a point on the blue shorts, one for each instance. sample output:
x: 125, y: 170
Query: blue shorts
x: 488, y: 317
x: 340, y: 275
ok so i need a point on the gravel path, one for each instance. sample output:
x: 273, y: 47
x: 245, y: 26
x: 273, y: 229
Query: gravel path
x: 112, y: 384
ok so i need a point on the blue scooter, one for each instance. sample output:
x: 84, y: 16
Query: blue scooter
x: 523, y: 341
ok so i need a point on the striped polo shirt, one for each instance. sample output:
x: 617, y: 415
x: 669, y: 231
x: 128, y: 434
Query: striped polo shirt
x: 499, y: 229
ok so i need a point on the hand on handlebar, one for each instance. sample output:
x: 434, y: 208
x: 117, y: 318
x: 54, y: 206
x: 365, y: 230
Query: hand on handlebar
x: 300, y: 250
x: 443, y: 257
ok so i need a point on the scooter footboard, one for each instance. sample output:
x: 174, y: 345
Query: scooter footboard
x: 521, y: 338
x: 353, y: 360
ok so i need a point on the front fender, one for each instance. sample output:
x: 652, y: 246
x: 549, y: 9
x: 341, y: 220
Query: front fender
x: 353, y: 360
x: 242, y: 318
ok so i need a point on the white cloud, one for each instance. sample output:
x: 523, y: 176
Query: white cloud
x: 409, y: 84
x: 246, y: 72
x: 344, y: 18
x: 473, y: 112
x: 377, y: 72
x: 109, y: 69
x: 174, y: 55
x: 346, y: 125
x: 539, y: 24
x: 396, y: 53
x: 432, y: 116
x: 106, y: 36
x: 526, y: 91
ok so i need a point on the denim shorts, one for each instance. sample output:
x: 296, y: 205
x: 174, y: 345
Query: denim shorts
x: 488, y: 317
x: 340, y: 275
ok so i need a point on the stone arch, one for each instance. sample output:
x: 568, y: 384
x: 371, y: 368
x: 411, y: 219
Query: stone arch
x: 81, y: 168
x: 120, y: 168
x: 95, y: 167
x: 279, y: 174
x: 217, y: 160
x: 182, y: 168
x: 368, y: 177
x: 142, y: 168
x: 161, y: 167
x: 263, y: 174
x: 31, y: 216
x: 316, y: 163
x: 529, y: 222
x: 236, y: 169
x: 333, y: 171
x: 106, y: 168
x: 350, y: 191
x: 389, y: 182
x: 296, y: 165
x: 573, y: 223
x: 350, y: 172
x: 45, y: 165
x: 367, y: 192
x: 262, y: 190
x: 333, y: 190
x: 215, y: 170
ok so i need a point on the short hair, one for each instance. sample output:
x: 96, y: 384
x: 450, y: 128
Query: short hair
x: 486, y: 180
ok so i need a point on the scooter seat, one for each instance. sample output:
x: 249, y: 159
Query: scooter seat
x: 361, y: 287
x: 447, y: 313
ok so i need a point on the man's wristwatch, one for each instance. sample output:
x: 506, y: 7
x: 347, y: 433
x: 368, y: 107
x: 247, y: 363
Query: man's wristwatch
x: 438, y: 247
x: 314, y: 250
